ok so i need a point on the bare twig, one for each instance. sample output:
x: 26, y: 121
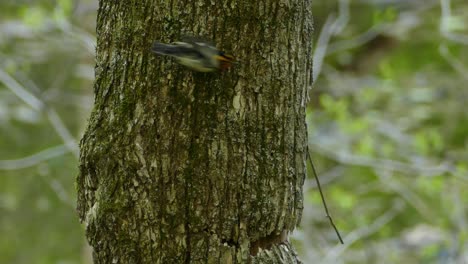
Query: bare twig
x: 62, y: 131
x: 446, y: 13
x: 323, y: 198
x: 343, y: 17
x: 365, y: 231
x: 60, y: 191
x: 326, y: 177
x: 406, y: 193
x: 456, y: 64
x: 331, y: 27
x: 20, y: 91
x: 321, y: 48
x: 39, y: 105
x: 359, y: 40
x: 33, y: 159
x: 388, y: 164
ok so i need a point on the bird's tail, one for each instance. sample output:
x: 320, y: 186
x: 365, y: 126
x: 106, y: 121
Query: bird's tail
x: 164, y: 49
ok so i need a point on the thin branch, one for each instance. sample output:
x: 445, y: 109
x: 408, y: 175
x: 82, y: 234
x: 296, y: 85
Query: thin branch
x: 60, y: 191
x: 323, y: 198
x: 88, y: 40
x: 456, y: 64
x: 406, y: 193
x: 343, y: 17
x: 331, y: 27
x: 34, y: 159
x: 326, y: 177
x: 357, y: 41
x: 459, y: 211
x: 62, y: 131
x: 20, y: 91
x: 446, y: 14
x: 392, y: 165
x: 321, y: 48
x: 365, y: 231
x: 39, y: 105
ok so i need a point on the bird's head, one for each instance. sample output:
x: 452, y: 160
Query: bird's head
x: 225, y: 60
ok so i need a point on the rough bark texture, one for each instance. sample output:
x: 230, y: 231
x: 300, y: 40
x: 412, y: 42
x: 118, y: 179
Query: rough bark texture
x: 185, y: 167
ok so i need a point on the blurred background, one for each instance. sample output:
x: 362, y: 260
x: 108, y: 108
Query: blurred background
x: 387, y: 130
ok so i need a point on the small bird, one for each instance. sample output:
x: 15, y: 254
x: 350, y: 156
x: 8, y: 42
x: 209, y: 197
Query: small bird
x: 196, y: 54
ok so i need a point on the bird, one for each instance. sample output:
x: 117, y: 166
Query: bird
x: 196, y: 54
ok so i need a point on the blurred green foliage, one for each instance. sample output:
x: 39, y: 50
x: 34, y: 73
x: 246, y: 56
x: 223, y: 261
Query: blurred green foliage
x: 388, y: 112
x: 387, y: 129
x: 44, y: 47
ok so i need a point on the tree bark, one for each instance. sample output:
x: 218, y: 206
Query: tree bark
x: 185, y: 167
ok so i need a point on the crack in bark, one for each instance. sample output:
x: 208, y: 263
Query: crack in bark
x: 267, y: 242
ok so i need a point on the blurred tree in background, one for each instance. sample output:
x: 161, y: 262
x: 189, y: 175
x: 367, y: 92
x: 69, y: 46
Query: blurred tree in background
x: 387, y: 130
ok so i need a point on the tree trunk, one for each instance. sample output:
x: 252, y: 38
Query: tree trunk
x: 185, y: 167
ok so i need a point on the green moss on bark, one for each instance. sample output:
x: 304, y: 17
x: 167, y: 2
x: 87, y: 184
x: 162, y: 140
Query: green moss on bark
x: 184, y: 167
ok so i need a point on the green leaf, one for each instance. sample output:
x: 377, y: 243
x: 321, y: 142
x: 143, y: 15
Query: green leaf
x: 366, y: 146
x: 33, y: 16
x: 389, y: 14
x: 344, y: 199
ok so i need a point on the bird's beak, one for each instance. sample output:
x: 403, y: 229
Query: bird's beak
x: 226, y: 58
x: 226, y: 61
